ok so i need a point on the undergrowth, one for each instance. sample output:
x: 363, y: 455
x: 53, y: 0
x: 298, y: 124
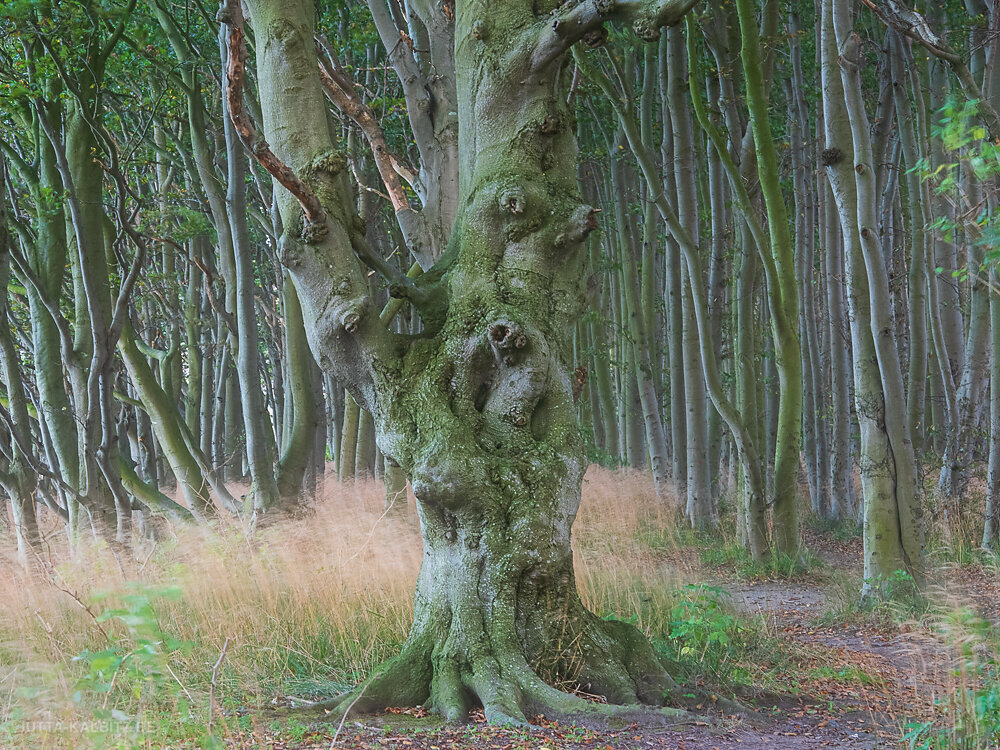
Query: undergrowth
x: 210, y: 623
x: 970, y: 712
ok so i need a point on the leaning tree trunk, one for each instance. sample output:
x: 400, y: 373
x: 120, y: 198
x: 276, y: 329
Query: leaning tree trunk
x: 479, y: 410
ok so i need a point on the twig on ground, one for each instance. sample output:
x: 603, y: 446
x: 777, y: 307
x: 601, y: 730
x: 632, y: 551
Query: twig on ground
x: 151, y: 551
x: 333, y: 742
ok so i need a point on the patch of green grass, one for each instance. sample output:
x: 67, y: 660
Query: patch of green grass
x: 970, y: 714
x: 899, y: 602
x: 139, y: 683
x: 738, y: 561
x: 660, y: 537
x: 841, y: 529
x: 701, y: 638
x: 962, y: 551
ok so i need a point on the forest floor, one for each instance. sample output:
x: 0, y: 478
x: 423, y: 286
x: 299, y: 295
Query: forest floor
x: 289, y: 616
x: 853, y: 680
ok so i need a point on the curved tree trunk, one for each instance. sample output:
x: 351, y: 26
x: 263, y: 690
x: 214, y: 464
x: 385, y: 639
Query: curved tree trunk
x: 893, y: 533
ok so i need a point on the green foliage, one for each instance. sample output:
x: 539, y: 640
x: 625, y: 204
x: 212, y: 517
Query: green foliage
x: 707, y: 640
x: 966, y: 141
x: 883, y: 605
x: 702, y: 627
x: 132, y: 674
x: 898, y: 587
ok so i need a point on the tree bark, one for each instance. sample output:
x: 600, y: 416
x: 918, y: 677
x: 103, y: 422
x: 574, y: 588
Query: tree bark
x: 478, y: 410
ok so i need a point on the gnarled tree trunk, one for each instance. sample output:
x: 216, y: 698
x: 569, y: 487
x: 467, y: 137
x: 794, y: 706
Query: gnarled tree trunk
x: 478, y: 409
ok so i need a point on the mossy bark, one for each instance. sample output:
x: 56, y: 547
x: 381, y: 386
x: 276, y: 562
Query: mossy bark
x: 168, y: 426
x: 478, y: 410
x: 783, y: 292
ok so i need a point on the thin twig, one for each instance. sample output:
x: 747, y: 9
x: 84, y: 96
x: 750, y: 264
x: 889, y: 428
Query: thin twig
x: 333, y: 742
x: 151, y: 551
x: 107, y: 695
x: 211, y: 689
x: 177, y: 680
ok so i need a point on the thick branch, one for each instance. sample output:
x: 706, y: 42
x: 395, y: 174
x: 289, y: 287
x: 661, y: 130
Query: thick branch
x: 405, y: 64
x: 573, y: 24
x: 341, y: 91
x: 255, y: 143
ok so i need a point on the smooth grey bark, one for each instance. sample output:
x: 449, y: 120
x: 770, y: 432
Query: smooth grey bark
x: 673, y: 294
x: 260, y: 461
x: 813, y: 425
x: 843, y: 503
x: 991, y: 526
x: 651, y: 440
x: 427, y: 73
x: 700, y: 503
x: 918, y: 197
x: 47, y: 258
x: 893, y: 535
x: 193, y: 338
x: 746, y: 442
x: 302, y: 409
x: 349, y: 437
x: 16, y: 477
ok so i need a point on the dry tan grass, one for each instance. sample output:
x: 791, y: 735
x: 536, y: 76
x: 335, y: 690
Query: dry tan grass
x: 325, y: 595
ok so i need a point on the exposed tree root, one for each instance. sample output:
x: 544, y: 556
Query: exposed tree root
x: 618, y: 664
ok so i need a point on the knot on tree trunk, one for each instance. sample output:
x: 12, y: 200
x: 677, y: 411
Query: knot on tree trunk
x: 513, y: 200
x: 595, y: 38
x: 580, y: 225
x: 646, y: 29
x: 507, y: 340
x: 480, y: 30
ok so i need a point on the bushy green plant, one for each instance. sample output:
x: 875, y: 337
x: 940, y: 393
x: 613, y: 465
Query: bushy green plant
x: 131, y: 675
x: 707, y: 639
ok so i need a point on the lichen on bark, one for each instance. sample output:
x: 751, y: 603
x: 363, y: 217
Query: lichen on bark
x: 478, y: 410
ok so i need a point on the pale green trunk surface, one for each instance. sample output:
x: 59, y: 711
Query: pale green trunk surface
x: 478, y: 410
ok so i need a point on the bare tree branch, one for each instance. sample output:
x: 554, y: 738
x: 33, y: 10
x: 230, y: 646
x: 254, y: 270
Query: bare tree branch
x: 576, y: 23
x: 232, y: 15
x: 914, y: 26
x: 341, y: 91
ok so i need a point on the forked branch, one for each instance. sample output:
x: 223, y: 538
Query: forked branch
x: 913, y: 25
x: 575, y: 23
x: 341, y: 91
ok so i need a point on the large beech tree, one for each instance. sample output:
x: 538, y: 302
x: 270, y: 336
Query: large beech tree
x: 478, y: 409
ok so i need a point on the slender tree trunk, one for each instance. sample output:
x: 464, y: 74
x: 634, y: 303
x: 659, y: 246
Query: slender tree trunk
x: 296, y: 452
x: 264, y: 487
x: 700, y: 503
x: 991, y: 528
x: 892, y: 511
x: 784, y: 313
x: 349, y: 437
